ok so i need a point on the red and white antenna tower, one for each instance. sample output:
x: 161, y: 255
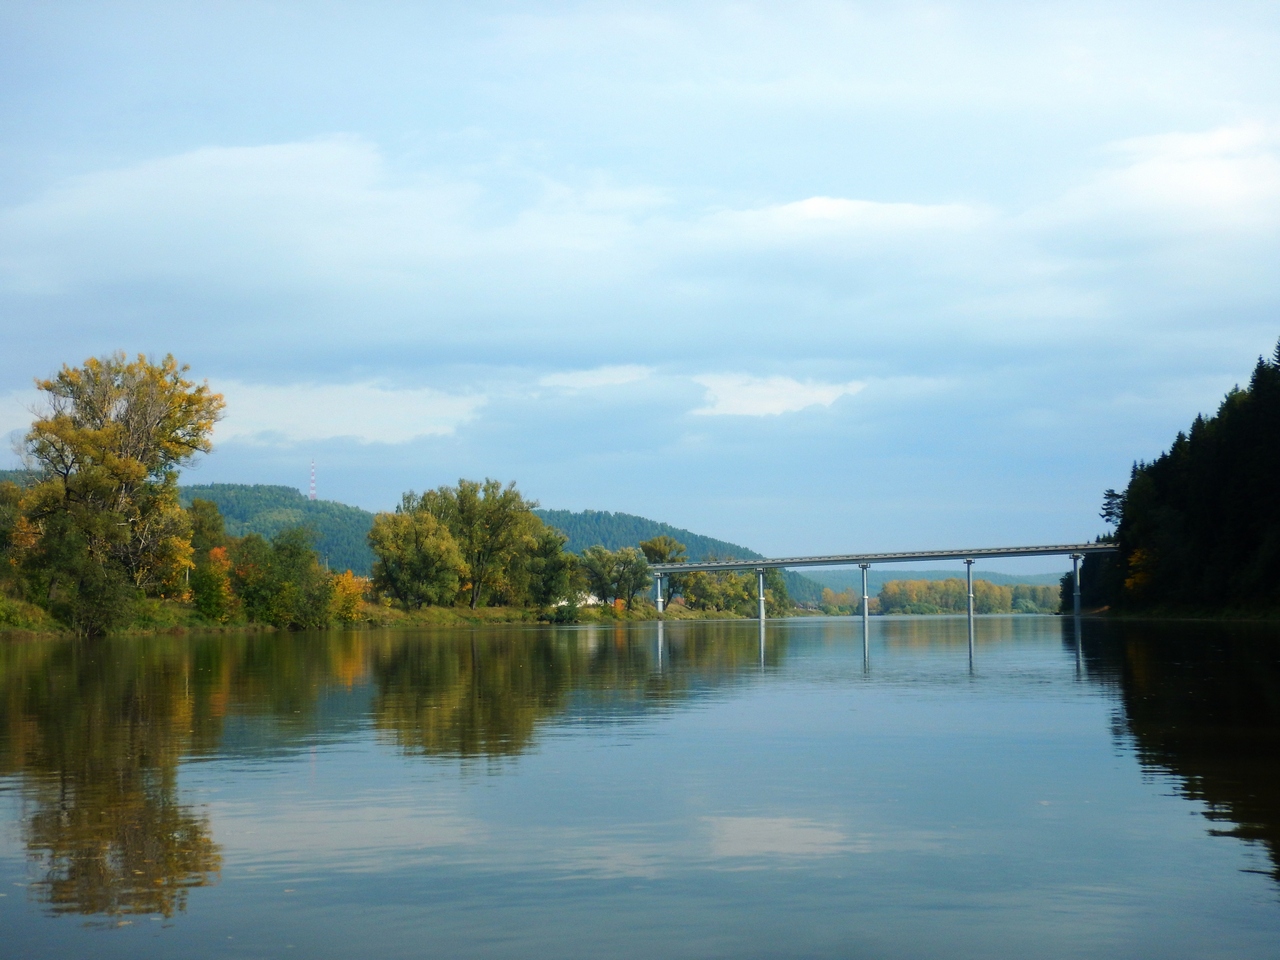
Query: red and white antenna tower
x: 312, y: 492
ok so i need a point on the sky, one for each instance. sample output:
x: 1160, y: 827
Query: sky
x: 810, y: 277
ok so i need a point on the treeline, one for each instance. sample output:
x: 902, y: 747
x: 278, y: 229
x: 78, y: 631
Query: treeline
x: 484, y: 544
x: 95, y: 534
x: 1198, y: 528
x: 944, y: 596
x: 952, y: 596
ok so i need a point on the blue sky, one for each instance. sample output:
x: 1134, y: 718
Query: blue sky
x: 807, y: 276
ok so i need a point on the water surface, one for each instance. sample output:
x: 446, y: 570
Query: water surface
x: 607, y: 791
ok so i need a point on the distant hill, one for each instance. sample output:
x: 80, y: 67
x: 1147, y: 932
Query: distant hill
x: 342, y: 535
x: 589, y: 528
x: 20, y: 477
x: 614, y: 530
x: 341, y: 530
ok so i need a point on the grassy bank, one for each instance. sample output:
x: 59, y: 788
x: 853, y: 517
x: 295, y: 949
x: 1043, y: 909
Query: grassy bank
x: 23, y: 620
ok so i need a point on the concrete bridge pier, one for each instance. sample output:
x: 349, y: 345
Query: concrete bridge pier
x: 968, y: 576
x: 1075, y: 610
x: 760, y: 590
x: 657, y: 583
x: 866, y: 618
x: 1075, y: 584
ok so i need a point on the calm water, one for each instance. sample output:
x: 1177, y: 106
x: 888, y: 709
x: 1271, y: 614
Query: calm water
x: 592, y: 792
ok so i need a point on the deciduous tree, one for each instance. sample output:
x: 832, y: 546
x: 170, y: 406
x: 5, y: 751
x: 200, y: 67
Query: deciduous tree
x: 491, y: 524
x: 105, y: 452
x: 417, y: 560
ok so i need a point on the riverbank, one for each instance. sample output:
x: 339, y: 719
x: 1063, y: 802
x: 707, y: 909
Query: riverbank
x: 20, y: 620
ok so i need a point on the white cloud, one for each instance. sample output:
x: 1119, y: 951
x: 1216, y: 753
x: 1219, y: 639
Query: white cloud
x: 836, y: 218
x: 368, y: 412
x: 736, y: 394
x: 1223, y: 180
x: 599, y: 377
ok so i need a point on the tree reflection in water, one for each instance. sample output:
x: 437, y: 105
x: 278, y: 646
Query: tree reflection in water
x: 94, y: 732
x: 486, y: 697
x: 1201, y: 701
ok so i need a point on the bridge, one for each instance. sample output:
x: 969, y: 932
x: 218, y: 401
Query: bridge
x: 1076, y: 551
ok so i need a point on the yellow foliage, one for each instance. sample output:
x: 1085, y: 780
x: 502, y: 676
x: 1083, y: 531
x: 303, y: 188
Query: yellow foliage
x: 348, y: 594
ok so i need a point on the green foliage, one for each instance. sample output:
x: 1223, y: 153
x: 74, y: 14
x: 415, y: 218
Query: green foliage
x: 418, y: 561
x: 10, y: 518
x: 208, y: 529
x: 281, y: 582
x: 341, y: 531
x: 18, y: 615
x: 551, y: 572
x: 664, y: 549
x: 492, y: 525
x: 736, y: 591
x: 614, y: 530
x: 615, y: 574
x: 1199, y: 526
x: 667, y: 549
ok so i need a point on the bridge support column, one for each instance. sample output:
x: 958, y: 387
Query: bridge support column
x: 866, y: 616
x: 760, y: 589
x: 968, y: 576
x: 1075, y: 584
x: 657, y: 583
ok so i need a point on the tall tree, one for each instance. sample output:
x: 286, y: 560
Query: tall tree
x: 550, y: 568
x: 491, y: 524
x: 615, y: 574
x: 667, y: 549
x: 417, y: 560
x: 105, y: 452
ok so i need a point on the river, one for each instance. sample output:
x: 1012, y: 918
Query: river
x: 605, y: 791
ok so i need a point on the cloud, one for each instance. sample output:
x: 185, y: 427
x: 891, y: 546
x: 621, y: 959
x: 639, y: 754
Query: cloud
x: 735, y: 394
x: 835, y: 218
x: 367, y: 412
x: 327, y: 213
x: 1221, y: 180
x: 594, y: 379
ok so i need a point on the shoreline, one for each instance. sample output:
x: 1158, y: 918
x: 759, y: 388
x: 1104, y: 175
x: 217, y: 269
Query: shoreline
x: 502, y: 616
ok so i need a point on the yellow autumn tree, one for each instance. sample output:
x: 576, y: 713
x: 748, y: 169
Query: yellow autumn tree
x: 106, y: 451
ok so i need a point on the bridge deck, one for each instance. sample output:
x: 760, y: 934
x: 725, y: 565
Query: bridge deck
x: 850, y: 559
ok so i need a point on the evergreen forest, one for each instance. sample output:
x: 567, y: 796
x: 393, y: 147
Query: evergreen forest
x: 1198, y: 527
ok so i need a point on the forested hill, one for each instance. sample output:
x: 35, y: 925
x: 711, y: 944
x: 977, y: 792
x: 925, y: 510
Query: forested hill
x: 341, y: 530
x: 614, y: 530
